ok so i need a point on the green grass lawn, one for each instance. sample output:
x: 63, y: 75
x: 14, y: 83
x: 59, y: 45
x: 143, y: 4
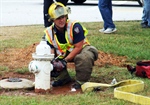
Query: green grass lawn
x: 130, y: 40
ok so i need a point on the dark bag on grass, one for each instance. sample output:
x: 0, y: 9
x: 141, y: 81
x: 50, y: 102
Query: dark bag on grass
x: 142, y: 69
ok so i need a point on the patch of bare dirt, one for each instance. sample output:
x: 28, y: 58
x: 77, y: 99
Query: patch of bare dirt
x: 19, y: 58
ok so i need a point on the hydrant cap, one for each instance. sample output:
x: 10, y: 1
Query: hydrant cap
x: 43, y: 48
x: 43, y: 51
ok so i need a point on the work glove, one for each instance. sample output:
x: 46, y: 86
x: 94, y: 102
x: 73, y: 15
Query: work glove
x: 59, y: 65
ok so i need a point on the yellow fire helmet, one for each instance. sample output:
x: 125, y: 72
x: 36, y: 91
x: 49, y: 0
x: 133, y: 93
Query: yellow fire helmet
x: 57, y: 9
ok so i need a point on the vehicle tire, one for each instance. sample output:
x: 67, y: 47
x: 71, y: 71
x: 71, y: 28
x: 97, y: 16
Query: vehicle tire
x: 141, y: 2
x: 78, y: 1
x: 63, y: 1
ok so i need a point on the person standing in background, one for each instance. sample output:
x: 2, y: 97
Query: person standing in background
x: 46, y: 6
x: 146, y: 15
x: 105, y: 8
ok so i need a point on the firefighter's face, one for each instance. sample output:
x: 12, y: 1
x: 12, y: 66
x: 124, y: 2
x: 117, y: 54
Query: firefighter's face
x: 61, y: 21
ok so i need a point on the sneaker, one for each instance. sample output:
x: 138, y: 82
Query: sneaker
x: 110, y: 30
x: 61, y: 82
x: 76, y: 85
x: 102, y: 30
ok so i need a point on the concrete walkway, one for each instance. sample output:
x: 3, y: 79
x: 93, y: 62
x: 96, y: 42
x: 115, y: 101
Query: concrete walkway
x: 29, y: 12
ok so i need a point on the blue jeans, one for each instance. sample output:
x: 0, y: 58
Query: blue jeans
x: 105, y: 8
x: 146, y: 12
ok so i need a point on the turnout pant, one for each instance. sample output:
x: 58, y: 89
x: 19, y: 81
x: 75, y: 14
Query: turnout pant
x: 84, y: 63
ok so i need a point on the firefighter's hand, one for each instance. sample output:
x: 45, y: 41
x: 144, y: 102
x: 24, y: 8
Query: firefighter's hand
x: 59, y: 65
x: 64, y: 62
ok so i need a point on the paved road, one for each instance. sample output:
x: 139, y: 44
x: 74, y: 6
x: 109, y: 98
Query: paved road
x: 27, y: 12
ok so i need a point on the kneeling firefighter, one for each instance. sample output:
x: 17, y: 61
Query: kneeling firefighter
x: 68, y: 42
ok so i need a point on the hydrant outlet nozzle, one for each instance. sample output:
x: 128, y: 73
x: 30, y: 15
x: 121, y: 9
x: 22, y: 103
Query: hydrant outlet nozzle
x: 33, y: 67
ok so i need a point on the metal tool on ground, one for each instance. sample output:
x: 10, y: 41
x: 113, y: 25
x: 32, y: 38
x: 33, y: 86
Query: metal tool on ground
x: 123, y: 90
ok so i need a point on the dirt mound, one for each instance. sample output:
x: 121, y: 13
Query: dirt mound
x: 18, y: 58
